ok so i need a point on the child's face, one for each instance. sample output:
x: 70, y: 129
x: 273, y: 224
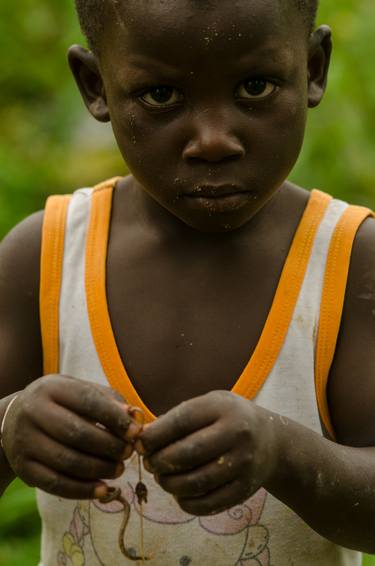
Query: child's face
x: 207, y: 99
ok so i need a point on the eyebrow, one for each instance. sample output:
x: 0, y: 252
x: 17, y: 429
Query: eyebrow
x: 277, y: 56
x: 148, y: 64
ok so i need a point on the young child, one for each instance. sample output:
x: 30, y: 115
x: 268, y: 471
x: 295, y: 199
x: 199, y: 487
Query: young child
x: 205, y: 290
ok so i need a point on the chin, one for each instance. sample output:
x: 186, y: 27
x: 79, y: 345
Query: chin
x: 216, y: 225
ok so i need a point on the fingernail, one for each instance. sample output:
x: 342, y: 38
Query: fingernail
x: 122, y: 403
x: 137, y: 415
x: 100, y: 491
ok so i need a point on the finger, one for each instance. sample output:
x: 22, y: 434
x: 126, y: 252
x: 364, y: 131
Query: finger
x: 193, y: 451
x: 138, y: 444
x: 180, y: 421
x: 201, y: 481
x: 133, y: 431
x: 74, y: 464
x: 217, y: 501
x: 94, y: 403
x: 57, y: 484
x: 74, y: 431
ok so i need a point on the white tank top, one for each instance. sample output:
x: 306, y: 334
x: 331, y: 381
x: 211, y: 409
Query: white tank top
x: 287, y: 374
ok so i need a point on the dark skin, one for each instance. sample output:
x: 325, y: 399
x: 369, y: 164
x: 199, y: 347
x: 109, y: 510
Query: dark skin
x: 191, y: 262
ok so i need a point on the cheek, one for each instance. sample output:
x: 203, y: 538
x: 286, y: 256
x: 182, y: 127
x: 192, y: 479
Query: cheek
x: 292, y: 122
x: 286, y: 131
x: 126, y: 128
x: 295, y: 110
x: 144, y: 144
x: 275, y: 141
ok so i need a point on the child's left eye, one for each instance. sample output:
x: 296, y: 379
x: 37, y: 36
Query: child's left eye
x: 161, y: 96
x: 256, y: 89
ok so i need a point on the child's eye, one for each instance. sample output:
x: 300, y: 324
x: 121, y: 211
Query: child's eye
x: 161, y: 96
x: 256, y: 89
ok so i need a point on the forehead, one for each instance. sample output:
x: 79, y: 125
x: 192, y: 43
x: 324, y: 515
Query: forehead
x: 179, y: 30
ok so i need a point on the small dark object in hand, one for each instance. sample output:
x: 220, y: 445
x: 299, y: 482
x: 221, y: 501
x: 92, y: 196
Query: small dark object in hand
x: 141, y: 492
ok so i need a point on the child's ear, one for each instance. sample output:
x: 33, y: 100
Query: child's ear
x: 320, y: 49
x: 86, y: 72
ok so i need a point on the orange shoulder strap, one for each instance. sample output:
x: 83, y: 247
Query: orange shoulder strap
x: 332, y: 302
x: 100, y: 322
x: 52, y: 251
x: 277, y: 324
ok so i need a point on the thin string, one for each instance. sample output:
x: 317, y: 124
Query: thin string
x: 141, y: 489
x: 114, y: 493
x: 141, y: 511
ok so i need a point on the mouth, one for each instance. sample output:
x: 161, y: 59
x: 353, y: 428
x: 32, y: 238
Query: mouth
x: 219, y: 199
x: 216, y: 191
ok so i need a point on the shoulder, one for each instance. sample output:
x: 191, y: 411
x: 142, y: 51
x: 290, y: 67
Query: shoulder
x: 360, y: 293
x: 351, y: 390
x: 20, y: 250
x: 363, y: 251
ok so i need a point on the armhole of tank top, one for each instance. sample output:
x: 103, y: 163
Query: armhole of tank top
x: 52, y: 253
x: 332, y: 303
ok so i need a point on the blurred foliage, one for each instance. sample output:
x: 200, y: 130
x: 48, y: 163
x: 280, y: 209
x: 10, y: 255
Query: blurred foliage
x: 19, y: 527
x: 338, y: 153
x: 48, y: 144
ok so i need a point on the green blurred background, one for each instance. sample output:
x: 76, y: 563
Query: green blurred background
x: 49, y: 144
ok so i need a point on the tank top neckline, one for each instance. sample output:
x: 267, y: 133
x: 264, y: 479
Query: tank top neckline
x: 275, y: 328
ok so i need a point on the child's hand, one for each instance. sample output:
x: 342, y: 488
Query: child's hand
x: 64, y: 435
x: 211, y: 452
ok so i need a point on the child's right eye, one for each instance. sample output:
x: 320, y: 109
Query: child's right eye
x: 162, y: 97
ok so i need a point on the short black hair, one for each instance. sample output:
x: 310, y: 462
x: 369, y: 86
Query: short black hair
x: 91, y: 17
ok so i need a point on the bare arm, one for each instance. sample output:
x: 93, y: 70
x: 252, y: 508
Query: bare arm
x: 20, y: 340
x: 332, y: 485
x: 51, y: 439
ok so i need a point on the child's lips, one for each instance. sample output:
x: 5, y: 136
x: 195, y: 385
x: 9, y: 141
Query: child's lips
x: 223, y: 198
x: 215, y: 191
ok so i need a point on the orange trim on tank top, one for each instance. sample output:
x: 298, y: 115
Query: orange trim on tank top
x: 332, y: 303
x: 275, y: 329
x: 52, y: 252
x: 278, y: 321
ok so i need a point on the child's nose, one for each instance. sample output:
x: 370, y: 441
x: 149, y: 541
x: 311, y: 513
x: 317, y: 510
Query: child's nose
x: 212, y: 141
